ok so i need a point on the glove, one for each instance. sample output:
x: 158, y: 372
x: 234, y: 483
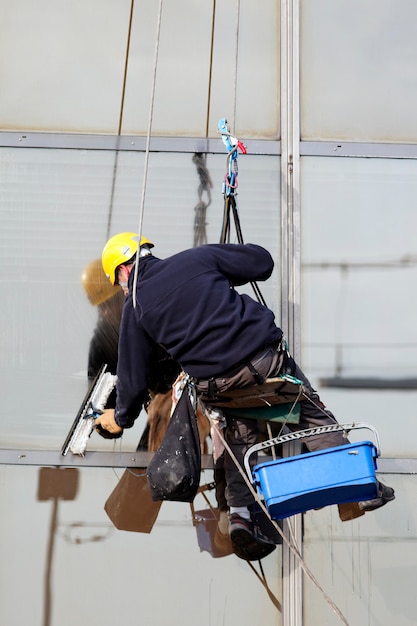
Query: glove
x: 106, y: 434
x: 106, y: 425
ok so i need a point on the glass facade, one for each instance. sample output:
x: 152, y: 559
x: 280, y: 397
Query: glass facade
x: 68, y: 70
x: 357, y: 79
x: 358, y: 259
x: 58, y: 209
x: 107, y: 110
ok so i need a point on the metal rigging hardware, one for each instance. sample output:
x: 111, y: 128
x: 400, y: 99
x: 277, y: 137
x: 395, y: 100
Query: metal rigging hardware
x: 230, y: 184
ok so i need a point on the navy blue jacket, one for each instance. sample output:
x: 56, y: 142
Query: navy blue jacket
x: 187, y: 304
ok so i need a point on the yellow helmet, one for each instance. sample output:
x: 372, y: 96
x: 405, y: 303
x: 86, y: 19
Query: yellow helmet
x: 119, y: 250
x: 96, y: 285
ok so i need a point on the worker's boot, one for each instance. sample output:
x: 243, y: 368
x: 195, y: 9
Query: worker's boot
x: 349, y: 511
x: 385, y: 494
x: 247, y: 540
x: 352, y: 510
x: 221, y: 540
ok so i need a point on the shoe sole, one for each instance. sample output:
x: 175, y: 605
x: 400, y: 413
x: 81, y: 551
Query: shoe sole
x: 247, y: 547
x: 379, y: 502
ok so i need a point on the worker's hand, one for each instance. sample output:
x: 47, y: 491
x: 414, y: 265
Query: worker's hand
x: 106, y: 425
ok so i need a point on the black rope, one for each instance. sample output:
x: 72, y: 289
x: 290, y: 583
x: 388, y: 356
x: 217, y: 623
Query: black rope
x: 230, y: 206
x: 261, y: 576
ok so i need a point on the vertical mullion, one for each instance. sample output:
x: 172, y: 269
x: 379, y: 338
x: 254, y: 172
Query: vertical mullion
x: 290, y: 268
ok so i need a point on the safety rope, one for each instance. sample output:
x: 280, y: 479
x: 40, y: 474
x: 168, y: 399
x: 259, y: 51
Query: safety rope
x: 119, y: 128
x: 230, y: 185
x: 148, y: 140
x: 210, y: 75
x: 236, y: 64
x: 264, y: 581
x: 290, y: 544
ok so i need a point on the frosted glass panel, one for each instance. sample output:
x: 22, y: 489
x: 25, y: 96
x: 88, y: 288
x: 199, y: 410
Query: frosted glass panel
x: 65, y: 61
x: 66, y: 64
x: 364, y: 565
x: 63, y: 550
x: 359, y: 266
x: 246, y: 68
x: 358, y: 78
x: 58, y: 208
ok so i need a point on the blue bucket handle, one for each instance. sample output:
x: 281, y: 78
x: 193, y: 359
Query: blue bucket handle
x: 302, y: 434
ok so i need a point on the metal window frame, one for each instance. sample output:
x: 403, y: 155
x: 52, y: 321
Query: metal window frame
x: 129, y: 143
x: 290, y: 148
x: 262, y: 147
x: 134, y: 458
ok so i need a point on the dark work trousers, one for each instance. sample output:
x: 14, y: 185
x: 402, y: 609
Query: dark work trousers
x: 240, y: 434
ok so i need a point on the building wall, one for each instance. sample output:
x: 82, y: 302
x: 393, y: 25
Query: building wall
x: 103, y: 100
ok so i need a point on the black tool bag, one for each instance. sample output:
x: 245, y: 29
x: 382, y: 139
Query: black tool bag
x: 174, y: 471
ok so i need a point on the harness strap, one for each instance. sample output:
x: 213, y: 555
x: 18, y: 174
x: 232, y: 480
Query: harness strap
x: 256, y: 375
x: 212, y: 388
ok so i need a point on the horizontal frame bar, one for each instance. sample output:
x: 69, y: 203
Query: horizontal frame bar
x: 54, y: 458
x: 358, y: 149
x: 78, y: 141
x: 73, y: 141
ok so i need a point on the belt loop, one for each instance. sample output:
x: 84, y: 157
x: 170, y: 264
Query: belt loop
x: 211, y: 388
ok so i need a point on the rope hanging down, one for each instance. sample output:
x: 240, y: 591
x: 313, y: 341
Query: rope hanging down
x: 292, y: 546
x: 148, y: 139
x: 120, y: 125
x: 230, y: 184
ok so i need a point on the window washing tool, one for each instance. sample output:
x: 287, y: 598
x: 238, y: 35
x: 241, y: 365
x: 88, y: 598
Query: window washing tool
x: 91, y: 407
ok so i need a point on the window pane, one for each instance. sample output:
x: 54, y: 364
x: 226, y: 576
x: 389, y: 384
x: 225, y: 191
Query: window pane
x: 358, y: 70
x: 358, y: 261
x: 66, y: 63
x: 58, y: 209
x: 62, y: 551
x: 362, y: 564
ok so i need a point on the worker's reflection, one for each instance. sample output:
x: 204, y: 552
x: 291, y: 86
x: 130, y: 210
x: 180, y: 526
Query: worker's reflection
x: 103, y: 347
x: 163, y: 372
x: 109, y: 302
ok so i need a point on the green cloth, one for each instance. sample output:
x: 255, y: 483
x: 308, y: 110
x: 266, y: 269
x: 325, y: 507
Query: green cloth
x: 274, y: 413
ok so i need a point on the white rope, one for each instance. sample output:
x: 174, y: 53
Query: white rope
x: 292, y: 546
x: 236, y: 66
x: 148, y: 139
